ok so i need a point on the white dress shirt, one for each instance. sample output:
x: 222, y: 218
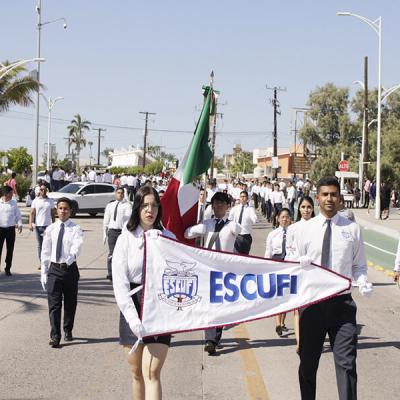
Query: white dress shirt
x: 124, y: 212
x: 277, y: 197
x: 210, y: 193
x: 92, y: 176
x: 43, y: 208
x: 249, y: 218
x: 9, y: 214
x: 291, y: 239
x: 107, y: 177
x: 291, y: 194
x: 71, y: 245
x: 227, y: 235
x: 273, y: 244
x: 347, y: 255
x: 127, y: 267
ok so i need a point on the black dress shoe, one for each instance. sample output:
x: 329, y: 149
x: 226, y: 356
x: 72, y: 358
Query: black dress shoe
x: 210, y: 347
x: 278, y: 330
x: 54, y: 342
x: 8, y: 272
x: 68, y: 337
x: 109, y: 277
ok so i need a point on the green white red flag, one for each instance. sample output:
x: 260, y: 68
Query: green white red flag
x: 180, y: 200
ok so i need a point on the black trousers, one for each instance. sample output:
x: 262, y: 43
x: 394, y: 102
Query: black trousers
x: 8, y: 235
x: 268, y: 210
x: 337, y: 318
x: 112, y: 237
x: 62, y: 283
x: 243, y: 244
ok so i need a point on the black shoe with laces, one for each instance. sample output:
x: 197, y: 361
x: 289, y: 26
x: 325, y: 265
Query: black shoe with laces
x: 53, y: 342
x: 68, y: 337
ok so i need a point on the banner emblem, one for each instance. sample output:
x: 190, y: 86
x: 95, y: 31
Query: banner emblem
x: 179, y: 285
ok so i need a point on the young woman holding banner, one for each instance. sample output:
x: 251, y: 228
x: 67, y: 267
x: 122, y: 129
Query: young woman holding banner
x: 305, y: 211
x: 276, y: 249
x: 127, y: 266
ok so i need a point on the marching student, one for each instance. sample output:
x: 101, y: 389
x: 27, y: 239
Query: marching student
x: 42, y: 215
x: 275, y: 248
x: 219, y: 234
x: 127, y: 268
x: 396, y: 268
x: 245, y: 216
x: 61, y: 246
x: 277, y: 200
x: 334, y: 242
x: 116, y: 214
x: 10, y: 219
x: 305, y: 211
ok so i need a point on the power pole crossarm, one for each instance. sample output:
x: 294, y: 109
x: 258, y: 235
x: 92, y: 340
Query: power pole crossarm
x: 147, y: 113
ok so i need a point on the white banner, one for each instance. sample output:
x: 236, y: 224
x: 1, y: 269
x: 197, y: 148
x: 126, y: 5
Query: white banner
x: 187, y: 288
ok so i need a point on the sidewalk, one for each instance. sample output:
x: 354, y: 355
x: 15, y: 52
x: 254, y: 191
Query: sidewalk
x: 389, y: 227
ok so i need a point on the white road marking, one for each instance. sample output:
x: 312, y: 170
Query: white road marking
x: 378, y: 248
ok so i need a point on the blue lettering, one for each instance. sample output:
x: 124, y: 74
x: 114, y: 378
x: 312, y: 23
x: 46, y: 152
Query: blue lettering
x: 229, y: 282
x: 243, y: 287
x: 293, y: 284
x: 272, y: 286
x: 214, y: 287
x: 283, y: 281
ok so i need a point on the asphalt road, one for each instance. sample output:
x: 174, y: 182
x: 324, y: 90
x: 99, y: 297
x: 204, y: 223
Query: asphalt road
x: 254, y: 363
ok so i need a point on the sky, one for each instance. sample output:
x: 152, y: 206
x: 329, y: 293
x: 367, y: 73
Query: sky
x: 118, y: 58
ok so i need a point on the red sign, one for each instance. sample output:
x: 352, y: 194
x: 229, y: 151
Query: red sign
x: 343, y: 165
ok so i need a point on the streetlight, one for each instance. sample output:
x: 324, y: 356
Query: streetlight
x: 377, y: 27
x: 50, y: 104
x: 5, y: 69
x: 39, y: 25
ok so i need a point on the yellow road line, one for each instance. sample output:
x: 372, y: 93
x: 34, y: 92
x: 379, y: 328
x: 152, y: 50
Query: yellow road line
x: 256, y: 388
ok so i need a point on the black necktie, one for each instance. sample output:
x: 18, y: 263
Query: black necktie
x: 60, y: 242
x: 201, y: 216
x: 241, y: 215
x: 284, y: 244
x: 116, y: 211
x: 326, y: 245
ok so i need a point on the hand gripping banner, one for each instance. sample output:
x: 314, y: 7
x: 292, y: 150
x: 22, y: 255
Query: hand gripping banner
x: 187, y: 288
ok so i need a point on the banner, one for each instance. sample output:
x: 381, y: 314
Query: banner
x: 188, y: 288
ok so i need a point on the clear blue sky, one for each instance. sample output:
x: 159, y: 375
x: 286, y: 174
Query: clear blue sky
x: 120, y: 57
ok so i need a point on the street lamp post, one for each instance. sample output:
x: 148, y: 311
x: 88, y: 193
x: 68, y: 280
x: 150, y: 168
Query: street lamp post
x: 50, y: 104
x: 377, y: 27
x: 39, y: 25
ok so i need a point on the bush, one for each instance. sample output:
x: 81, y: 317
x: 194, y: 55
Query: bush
x: 23, y: 186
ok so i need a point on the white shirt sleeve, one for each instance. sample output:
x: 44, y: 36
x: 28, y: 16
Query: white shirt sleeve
x: 397, y: 261
x: 75, y: 249
x: 107, y: 215
x: 195, y: 231
x: 120, y: 280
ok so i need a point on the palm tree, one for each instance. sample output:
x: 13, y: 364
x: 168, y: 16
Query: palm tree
x: 76, y: 134
x: 16, y: 89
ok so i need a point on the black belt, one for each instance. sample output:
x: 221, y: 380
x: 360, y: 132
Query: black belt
x: 115, y: 230
x: 62, y: 265
x: 245, y: 234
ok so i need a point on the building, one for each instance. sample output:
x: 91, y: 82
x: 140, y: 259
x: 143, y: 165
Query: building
x: 289, y: 161
x: 229, y: 159
x: 130, y: 157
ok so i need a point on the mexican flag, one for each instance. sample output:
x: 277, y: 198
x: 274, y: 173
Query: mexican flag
x: 180, y: 200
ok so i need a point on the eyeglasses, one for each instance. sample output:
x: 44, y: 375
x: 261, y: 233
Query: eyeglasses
x: 149, y: 205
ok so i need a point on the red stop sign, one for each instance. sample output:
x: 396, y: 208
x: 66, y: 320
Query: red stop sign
x: 343, y: 165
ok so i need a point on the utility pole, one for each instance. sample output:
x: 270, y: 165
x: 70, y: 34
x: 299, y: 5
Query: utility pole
x: 147, y: 113
x: 275, y: 104
x: 221, y: 115
x: 98, y: 143
x: 365, y: 144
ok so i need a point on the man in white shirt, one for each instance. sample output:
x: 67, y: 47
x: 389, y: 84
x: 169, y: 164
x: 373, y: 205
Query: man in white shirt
x: 107, y: 177
x: 245, y: 216
x: 336, y: 243
x: 56, y: 185
x: 211, y: 190
x: 59, y: 276
x: 116, y: 214
x: 10, y: 218
x: 219, y: 234
x: 91, y: 175
x: 42, y: 215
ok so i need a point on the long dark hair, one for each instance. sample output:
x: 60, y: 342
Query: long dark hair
x: 134, y: 220
x: 311, y: 201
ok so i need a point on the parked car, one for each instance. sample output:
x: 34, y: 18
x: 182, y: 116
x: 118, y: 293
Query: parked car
x: 91, y: 198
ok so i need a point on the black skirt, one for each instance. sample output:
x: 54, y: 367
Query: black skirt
x: 126, y: 336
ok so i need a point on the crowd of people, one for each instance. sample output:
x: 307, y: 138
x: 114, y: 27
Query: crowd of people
x: 226, y: 215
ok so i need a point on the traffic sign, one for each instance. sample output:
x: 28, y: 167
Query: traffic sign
x: 343, y: 165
